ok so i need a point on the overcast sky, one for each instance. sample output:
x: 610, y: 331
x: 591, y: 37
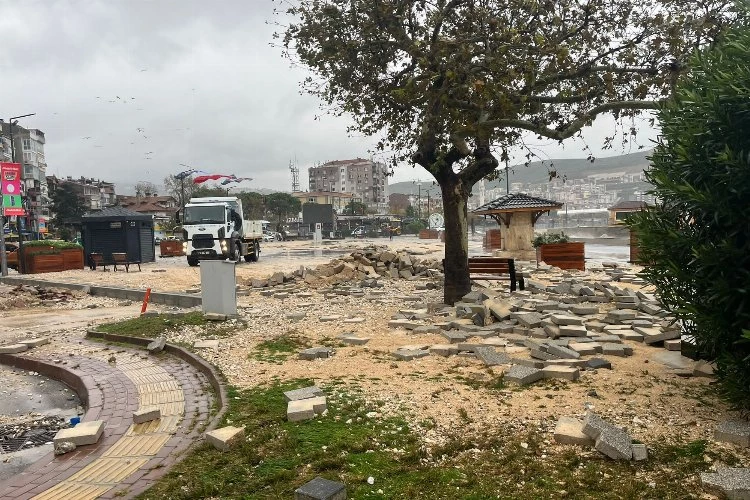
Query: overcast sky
x: 127, y: 90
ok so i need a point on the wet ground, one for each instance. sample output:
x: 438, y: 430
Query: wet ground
x: 24, y: 398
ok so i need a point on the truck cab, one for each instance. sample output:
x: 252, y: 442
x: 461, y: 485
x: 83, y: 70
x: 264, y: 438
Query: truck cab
x: 214, y: 229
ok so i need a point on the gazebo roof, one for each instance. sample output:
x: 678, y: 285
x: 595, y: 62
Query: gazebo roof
x: 517, y: 203
x: 114, y: 213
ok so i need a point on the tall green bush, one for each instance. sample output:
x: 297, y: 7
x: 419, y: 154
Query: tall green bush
x: 696, y: 241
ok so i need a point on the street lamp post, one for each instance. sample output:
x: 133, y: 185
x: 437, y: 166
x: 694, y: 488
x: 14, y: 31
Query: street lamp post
x: 3, y: 256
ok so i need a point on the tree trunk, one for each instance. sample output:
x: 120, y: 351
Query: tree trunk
x: 457, y: 283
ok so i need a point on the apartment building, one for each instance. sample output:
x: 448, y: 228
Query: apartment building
x: 97, y: 194
x: 29, y: 152
x: 365, y: 179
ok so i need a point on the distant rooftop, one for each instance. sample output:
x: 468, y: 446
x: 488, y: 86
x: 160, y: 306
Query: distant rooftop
x: 629, y: 205
x: 517, y: 202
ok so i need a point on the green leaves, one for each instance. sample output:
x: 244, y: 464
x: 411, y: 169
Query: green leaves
x: 696, y: 241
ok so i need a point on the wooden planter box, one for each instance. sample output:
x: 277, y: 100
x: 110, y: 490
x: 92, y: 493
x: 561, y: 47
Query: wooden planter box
x: 635, y: 250
x: 492, y: 240
x: 171, y: 248
x: 428, y: 234
x: 47, y: 259
x: 563, y: 255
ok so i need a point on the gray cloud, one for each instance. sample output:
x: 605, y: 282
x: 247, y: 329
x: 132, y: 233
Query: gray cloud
x: 159, y: 83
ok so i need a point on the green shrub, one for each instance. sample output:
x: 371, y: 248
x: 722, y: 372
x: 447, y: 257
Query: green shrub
x: 414, y: 227
x: 549, y: 239
x: 58, y: 244
x: 696, y: 240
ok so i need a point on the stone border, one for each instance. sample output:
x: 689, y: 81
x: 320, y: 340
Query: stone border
x: 164, y: 298
x: 214, y: 377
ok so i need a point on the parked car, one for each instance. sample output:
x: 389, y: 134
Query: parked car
x: 359, y: 232
x: 268, y: 236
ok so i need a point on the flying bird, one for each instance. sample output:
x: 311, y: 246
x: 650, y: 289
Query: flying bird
x: 87, y: 137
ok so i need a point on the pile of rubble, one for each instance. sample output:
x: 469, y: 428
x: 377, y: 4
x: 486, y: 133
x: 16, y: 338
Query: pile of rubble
x: 361, y: 265
x: 23, y: 296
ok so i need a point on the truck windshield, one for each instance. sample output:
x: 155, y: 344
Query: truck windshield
x: 213, y: 214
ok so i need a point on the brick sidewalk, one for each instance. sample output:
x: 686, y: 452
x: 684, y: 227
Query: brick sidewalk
x: 128, y: 458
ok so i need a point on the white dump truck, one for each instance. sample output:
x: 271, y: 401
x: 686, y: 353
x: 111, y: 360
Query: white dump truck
x: 214, y: 229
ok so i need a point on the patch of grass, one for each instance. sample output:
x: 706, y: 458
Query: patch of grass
x: 345, y: 445
x: 278, y: 349
x: 156, y: 326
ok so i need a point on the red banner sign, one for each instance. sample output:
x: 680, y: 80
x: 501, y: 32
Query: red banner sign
x: 10, y: 179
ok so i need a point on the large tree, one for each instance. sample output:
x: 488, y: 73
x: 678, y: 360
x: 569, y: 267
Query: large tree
x: 67, y: 205
x: 253, y: 204
x: 281, y: 205
x: 453, y: 84
x: 181, y: 188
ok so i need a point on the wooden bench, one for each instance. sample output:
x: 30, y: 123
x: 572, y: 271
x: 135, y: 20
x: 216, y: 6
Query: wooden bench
x: 97, y: 260
x: 122, y: 259
x: 495, y: 268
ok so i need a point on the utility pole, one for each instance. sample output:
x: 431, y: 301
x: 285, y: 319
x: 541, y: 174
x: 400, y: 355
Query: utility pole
x: 4, y: 258
x: 507, y: 176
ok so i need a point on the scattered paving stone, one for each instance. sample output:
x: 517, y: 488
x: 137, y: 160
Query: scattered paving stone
x: 609, y: 339
x: 733, y: 431
x: 321, y: 489
x: 206, y: 344
x: 146, y: 414
x: 225, y: 437
x: 610, y: 440
x: 156, y: 346
x: 640, y: 452
x: 584, y: 348
x: 613, y: 350
x: 561, y: 372
x: 427, y: 329
x: 295, y: 316
x: 570, y: 431
x: 301, y: 409
x: 655, y: 335
x: 673, y: 345
x: 82, y: 434
x: 329, y: 318
x: 596, y: 363
x: 523, y: 375
x: 573, y: 331
x: 733, y: 482
x: 444, y: 350
x: 454, y: 337
x: 565, y: 320
x: 316, y: 353
x: 529, y: 320
x: 584, y: 310
x: 312, y: 391
x: 354, y: 320
x: 353, y: 339
x: 13, y: 348
x: 35, y: 342
x: 562, y: 352
x: 703, y: 369
x: 404, y: 323
x: 410, y: 354
x: 490, y: 357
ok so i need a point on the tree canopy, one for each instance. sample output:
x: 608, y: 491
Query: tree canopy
x: 282, y: 205
x: 66, y: 205
x: 453, y: 84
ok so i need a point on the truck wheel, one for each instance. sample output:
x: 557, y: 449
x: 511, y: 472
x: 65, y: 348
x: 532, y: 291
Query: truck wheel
x: 192, y: 262
x: 253, y: 257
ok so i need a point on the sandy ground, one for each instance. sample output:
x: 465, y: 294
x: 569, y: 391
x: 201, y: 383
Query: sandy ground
x: 438, y: 394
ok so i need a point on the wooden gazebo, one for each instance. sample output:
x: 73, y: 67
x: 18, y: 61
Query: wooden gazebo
x: 516, y: 215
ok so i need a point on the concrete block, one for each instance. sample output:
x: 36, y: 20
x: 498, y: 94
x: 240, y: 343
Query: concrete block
x: 570, y: 431
x: 562, y: 352
x: 573, y: 331
x: 226, y: 437
x: 319, y: 403
x: 454, y: 337
x: 304, y: 393
x: 35, y: 342
x: 329, y: 318
x: 410, y: 354
x: 673, y: 345
x: 539, y: 354
x: 584, y: 310
x: 609, y: 339
x: 316, y: 353
x: 561, y: 372
x: 531, y: 363
x: 444, y: 350
x: 321, y: 489
x: 733, y: 431
x: 82, y: 434
x: 146, y: 414
x: 529, y: 320
x: 610, y: 440
x: 639, y: 452
x: 613, y: 350
x: 302, y: 409
x: 427, y: 329
x: 583, y: 348
x: 523, y: 375
x: 731, y: 482
x: 703, y: 369
x: 566, y: 320
x: 576, y: 363
x: 597, y: 363
x: 157, y: 345
x: 13, y: 348
x: 353, y: 340
x: 490, y: 357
